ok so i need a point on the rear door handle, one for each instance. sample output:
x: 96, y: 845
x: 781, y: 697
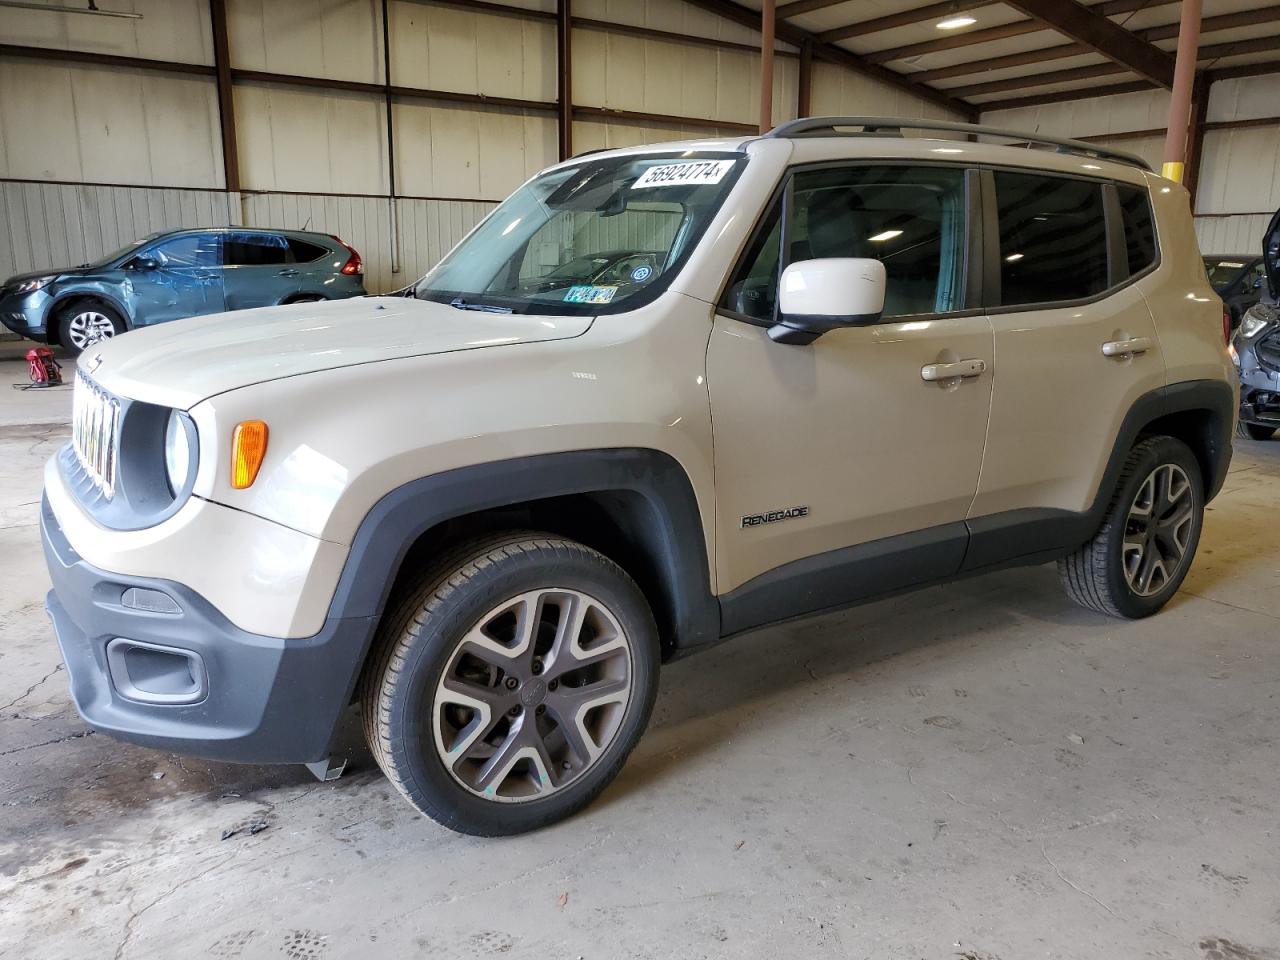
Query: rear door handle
x: 934, y: 372
x: 287, y: 273
x: 1122, y: 349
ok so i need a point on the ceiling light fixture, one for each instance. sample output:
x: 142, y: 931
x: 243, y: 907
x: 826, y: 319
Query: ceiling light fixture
x: 1013, y: 258
x: 92, y: 8
x: 885, y: 235
x: 955, y: 23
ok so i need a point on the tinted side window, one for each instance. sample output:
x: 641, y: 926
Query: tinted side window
x: 754, y: 288
x: 1139, y: 229
x: 910, y: 218
x: 303, y: 252
x: 1053, y: 238
x: 254, y: 250
x: 191, y: 250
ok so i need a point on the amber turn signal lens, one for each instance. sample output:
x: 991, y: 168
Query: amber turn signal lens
x: 248, y: 448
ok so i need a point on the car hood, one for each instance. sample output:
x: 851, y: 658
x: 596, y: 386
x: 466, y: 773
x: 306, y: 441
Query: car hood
x: 51, y: 272
x: 179, y: 364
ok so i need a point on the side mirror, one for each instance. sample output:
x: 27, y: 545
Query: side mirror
x: 816, y: 296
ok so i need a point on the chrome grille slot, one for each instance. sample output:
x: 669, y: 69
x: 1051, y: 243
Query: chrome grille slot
x: 95, y: 432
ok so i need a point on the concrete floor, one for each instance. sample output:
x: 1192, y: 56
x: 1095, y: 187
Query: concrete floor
x: 979, y: 771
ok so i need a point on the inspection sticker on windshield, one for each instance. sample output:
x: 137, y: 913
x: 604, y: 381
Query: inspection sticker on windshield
x: 682, y: 174
x: 590, y: 294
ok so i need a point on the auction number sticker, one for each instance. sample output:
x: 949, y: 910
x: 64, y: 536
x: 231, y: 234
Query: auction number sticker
x: 684, y: 174
x: 590, y: 294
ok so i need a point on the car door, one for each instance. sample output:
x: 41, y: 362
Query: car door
x: 841, y: 471
x: 175, y: 277
x: 1076, y: 345
x: 257, y: 269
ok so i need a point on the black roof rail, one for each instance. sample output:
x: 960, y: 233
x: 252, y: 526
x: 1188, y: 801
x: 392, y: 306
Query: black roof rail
x: 893, y: 127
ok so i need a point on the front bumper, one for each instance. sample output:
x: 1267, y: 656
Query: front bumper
x: 244, y: 697
x: 27, y: 314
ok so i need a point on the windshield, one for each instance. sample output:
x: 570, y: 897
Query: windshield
x: 1222, y: 272
x: 127, y: 248
x: 598, y: 237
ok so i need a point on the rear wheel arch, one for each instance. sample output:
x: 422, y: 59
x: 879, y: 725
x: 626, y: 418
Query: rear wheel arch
x: 1200, y: 413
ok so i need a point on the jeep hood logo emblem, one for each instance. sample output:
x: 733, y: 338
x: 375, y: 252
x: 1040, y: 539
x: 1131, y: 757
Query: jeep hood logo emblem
x: 773, y: 516
x: 93, y: 363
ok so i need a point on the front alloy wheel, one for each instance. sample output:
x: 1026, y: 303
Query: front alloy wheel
x: 88, y: 324
x: 532, y: 695
x: 509, y: 684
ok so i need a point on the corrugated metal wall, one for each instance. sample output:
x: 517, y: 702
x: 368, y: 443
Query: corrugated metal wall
x: 53, y: 225
x: 318, y: 158
x: 56, y: 225
x: 428, y: 229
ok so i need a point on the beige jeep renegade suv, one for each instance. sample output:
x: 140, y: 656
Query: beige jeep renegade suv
x: 660, y: 397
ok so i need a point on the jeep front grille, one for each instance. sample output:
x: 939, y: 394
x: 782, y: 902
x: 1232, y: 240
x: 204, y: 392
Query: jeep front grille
x: 95, y: 422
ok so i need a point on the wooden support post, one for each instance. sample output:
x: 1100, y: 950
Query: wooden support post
x: 564, y: 77
x: 804, y: 97
x: 1184, y: 72
x: 388, y: 103
x: 767, y: 24
x: 226, y: 100
x: 1195, y: 149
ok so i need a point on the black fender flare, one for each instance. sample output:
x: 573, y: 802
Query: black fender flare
x: 55, y: 309
x: 671, y: 521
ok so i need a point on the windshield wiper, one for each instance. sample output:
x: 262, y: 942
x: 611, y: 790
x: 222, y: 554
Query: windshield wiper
x: 460, y: 304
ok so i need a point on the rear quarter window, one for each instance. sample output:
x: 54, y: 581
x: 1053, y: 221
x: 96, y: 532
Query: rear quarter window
x: 1139, y: 228
x: 304, y: 252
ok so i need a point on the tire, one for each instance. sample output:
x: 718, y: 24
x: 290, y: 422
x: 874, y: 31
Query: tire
x: 1106, y: 573
x: 306, y: 298
x: 87, y: 322
x: 454, y: 714
x: 1254, y: 431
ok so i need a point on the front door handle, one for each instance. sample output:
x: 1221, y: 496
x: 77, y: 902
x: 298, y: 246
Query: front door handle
x: 1123, y: 349
x: 934, y: 372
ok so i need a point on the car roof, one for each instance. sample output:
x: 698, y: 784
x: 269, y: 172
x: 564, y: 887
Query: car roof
x: 266, y: 231
x: 884, y: 140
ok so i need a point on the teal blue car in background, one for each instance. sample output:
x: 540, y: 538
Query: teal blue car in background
x: 180, y: 273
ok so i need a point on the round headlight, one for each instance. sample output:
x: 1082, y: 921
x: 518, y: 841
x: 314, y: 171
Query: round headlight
x: 177, y: 452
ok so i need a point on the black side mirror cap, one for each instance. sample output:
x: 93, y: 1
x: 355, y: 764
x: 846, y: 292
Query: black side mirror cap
x: 803, y: 329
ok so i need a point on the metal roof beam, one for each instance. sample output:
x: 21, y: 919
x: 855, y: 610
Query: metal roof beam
x: 832, y: 54
x: 1087, y: 26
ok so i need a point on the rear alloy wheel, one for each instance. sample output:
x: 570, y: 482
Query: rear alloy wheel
x: 511, y: 684
x: 86, y: 324
x: 1254, y: 431
x: 1140, y: 555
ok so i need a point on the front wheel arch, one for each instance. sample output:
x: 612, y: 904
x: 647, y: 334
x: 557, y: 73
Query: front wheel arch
x: 635, y: 505
x: 67, y: 301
